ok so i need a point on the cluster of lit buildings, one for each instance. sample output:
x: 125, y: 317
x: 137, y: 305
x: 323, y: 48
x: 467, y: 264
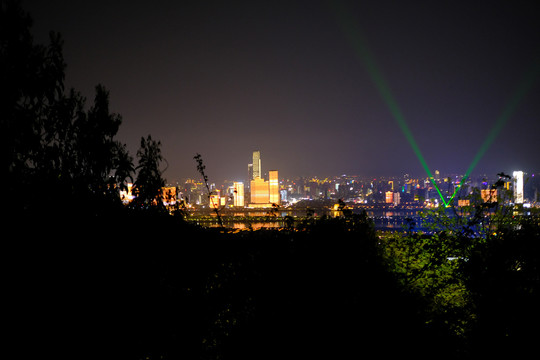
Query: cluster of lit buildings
x: 512, y: 186
x: 257, y: 192
x: 265, y: 190
x: 169, y: 195
x: 263, y: 193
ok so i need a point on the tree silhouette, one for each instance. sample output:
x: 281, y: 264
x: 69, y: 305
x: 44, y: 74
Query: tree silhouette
x: 147, y: 187
x: 50, y: 144
x: 31, y: 77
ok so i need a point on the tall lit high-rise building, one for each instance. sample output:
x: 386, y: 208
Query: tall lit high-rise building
x: 518, y: 187
x: 283, y: 195
x: 273, y: 180
x: 397, y: 198
x: 257, y: 168
x: 389, y: 197
x: 250, y: 173
x: 214, y: 200
x: 259, y: 191
x: 238, y: 197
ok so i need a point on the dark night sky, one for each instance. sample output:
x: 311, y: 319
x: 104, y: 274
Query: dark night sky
x: 224, y: 78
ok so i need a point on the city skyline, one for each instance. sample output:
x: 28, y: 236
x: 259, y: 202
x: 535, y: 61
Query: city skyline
x: 367, y: 88
x: 419, y: 175
x: 269, y: 190
x: 436, y: 174
x: 397, y: 192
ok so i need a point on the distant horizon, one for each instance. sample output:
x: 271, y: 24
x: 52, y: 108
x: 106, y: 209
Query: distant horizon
x: 443, y: 175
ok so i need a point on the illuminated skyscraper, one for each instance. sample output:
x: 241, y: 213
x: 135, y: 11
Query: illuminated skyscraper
x: 273, y: 181
x: 257, y: 169
x: 214, y: 200
x: 250, y: 173
x: 389, y: 197
x: 397, y: 198
x: 283, y: 194
x: 238, y: 197
x: 259, y: 191
x: 518, y: 187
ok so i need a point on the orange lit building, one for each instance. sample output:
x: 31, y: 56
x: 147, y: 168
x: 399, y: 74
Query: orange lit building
x: 489, y: 195
x: 238, y: 197
x: 389, y: 197
x: 259, y: 191
x: 273, y: 187
x: 168, y: 195
x: 214, y: 200
x: 464, y: 202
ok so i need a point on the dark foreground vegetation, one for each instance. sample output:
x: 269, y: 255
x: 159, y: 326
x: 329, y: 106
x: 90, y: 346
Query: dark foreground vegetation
x: 89, y: 277
x: 158, y: 288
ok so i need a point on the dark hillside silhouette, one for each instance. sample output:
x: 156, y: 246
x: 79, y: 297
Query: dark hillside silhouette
x: 166, y: 289
x: 173, y: 291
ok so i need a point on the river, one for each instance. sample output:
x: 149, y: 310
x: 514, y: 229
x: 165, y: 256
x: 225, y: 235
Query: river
x: 394, y: 220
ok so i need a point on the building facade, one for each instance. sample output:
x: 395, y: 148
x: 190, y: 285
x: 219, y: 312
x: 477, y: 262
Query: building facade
x: 257, y: 168
x: 389, y: 197
x: 488, y: 195
x: 518, y: 187
x: 214, y: 200
x: 259, y: 191
x: 273, y: 187
x: 238, y: 195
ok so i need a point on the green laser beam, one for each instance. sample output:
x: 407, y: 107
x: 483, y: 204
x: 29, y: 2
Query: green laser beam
x: 524, y: 87
x: 359, y: 44
x: 355, y: 37
x: 522, y: 90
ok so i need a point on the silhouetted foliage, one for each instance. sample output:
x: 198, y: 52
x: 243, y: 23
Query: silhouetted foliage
x: 147, y: 187
x: 55, y: 154
x: 478, y: 272
x: 206, y: 293
x: 503, y: 277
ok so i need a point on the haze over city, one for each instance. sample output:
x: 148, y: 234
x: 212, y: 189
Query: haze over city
x: 285, y: 77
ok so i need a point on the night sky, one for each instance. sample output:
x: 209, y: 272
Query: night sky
x: 224, y: 78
